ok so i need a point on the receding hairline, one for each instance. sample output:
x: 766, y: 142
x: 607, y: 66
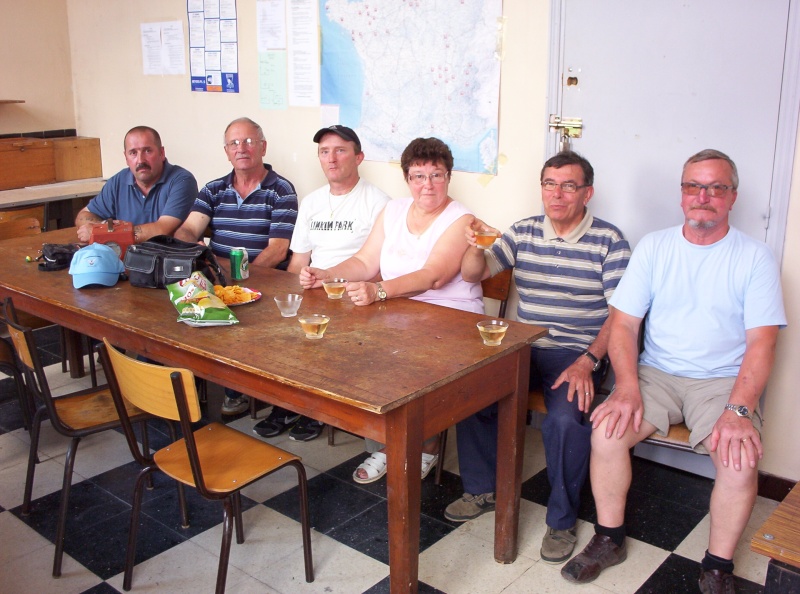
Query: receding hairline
x: 247, y: 121
x: 142, y: 130
x: 713, y: 155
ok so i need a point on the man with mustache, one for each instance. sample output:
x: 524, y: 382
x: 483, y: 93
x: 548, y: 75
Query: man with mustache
x: 712, y: 296
x: 152, y: 194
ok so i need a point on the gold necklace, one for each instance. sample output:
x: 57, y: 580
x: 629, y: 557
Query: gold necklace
x: 338, y: 206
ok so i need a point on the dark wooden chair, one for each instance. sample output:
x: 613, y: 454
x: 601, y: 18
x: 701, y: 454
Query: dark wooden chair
x: 216, y: 460
x: 75, y: 415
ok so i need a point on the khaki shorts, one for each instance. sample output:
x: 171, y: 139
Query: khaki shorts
x: 669, y: 400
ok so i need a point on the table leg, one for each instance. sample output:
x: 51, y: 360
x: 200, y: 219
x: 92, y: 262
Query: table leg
x: 403, y: 487
x: 73, y: 344
x: 511, y: 450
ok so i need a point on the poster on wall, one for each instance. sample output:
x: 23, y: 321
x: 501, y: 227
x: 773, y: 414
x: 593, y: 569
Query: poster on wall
x: 213, y: 46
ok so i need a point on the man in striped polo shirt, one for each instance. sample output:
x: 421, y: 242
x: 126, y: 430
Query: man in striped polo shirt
x: 566, y: 266
x: 252, y: 207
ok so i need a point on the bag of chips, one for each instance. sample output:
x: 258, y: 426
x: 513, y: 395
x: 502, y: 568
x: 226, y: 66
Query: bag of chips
x: 197, y: 304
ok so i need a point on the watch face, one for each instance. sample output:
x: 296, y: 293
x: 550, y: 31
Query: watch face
x: 742, y: 411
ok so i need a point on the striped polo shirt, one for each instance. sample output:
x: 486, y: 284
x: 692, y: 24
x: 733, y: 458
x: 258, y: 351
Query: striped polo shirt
x: 564, y: 283
x: 249, y: 222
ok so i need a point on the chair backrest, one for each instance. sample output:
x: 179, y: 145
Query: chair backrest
x: 498, y: 287
x: 150, y: 387
x: 20, y: 228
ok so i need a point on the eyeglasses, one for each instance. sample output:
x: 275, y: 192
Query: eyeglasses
x: 714, y: 191
x: 566, y: 187
x: 420, y: 178
x: 248, y: 142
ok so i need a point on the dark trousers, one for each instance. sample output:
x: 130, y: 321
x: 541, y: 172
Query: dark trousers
x: 566, y: 434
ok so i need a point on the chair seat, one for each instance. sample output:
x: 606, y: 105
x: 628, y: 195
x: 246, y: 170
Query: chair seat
x: 91, y: 408
x: 230, y: 459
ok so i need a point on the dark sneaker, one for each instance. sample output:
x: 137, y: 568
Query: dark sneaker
x: 236, y: 405
x: 601, y: 553
x: 557, y: 545
x: 469, y: 507
x: 278, y: 421
x: 715, y: 581
x: 305, y: 429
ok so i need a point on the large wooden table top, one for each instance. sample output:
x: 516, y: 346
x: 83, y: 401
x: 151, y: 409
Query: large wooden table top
x: 79, y: 188
x: 779, y: 537
x: 397, y: 372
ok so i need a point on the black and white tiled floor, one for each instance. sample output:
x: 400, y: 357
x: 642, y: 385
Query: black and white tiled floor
x: 667, y: 520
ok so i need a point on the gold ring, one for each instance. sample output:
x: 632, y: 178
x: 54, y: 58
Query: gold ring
x: 586, y: 393
x: 744, y: 439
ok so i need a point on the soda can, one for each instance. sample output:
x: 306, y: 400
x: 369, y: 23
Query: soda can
x: 240, y: 265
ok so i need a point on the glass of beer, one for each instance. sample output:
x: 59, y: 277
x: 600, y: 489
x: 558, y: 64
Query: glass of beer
x: 334, y: 287
x: 314, y: 325
x: 492, y: 331
x: 485, y: 239
x: 288, y: 304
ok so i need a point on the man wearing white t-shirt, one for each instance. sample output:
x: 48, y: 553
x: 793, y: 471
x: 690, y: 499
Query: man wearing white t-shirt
x: 332, y: 224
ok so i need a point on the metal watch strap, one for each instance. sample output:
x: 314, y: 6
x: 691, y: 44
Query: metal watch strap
x: 381, y: 292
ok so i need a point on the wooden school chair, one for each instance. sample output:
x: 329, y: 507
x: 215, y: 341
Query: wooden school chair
x: 209, y: 458
x: 74, y: 415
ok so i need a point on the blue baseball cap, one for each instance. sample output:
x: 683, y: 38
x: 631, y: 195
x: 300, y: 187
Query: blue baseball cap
x: 95, y: 264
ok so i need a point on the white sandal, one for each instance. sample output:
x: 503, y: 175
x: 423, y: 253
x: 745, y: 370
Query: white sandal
x: 375, y: 467
x: 428, y: 462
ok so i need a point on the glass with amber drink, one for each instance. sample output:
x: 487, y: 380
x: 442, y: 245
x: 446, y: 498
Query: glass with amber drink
x: 334, y: 287
x: 492, y: 331
x: 314, y: 325
x: 485, y: 239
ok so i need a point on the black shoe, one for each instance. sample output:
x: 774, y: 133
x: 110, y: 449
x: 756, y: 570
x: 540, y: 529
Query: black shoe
x: 306, y: 429
x: 278, y: 421
x: 714, y: 581
x: 601, y: 553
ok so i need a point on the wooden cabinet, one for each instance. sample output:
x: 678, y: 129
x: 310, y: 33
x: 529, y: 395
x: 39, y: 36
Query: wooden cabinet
x: 26, y: 162
x: 77, y: 157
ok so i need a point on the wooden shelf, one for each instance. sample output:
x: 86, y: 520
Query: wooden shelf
x: 12, y: 101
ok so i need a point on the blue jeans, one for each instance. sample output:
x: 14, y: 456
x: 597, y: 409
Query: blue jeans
x: 566, y: 434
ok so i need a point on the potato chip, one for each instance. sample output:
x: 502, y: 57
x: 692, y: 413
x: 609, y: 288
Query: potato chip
x: 233, y: 294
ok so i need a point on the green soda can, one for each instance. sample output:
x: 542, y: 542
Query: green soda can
x: 239, y: 264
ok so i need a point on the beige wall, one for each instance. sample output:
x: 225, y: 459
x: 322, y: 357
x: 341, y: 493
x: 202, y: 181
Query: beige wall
x: 111, y: 95
x: 35, y: 66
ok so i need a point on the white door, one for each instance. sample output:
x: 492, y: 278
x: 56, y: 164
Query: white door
x: 654, y: 82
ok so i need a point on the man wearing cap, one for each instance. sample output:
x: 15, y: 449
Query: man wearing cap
x: 152, y: 194
x: 252, y: 208
x: 332, y: 225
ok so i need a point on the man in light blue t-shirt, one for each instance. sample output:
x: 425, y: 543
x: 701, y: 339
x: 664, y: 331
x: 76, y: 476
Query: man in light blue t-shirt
x: 152, y: 194
x: 712, y: 297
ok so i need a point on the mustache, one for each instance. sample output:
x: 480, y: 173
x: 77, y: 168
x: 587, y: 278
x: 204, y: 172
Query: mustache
x: 704, y: 207
x: 142, y: 166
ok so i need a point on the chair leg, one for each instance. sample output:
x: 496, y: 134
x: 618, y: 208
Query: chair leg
x: 173, y: 434
x: 225, y: 548
x: 133, y: 530
x: 92, y: 365
x: 442, y: 451
x: 253, y: 411
x: 305, y: 521
x: 62, y: 343
x: 331, y: 429
x: 24, y: 396
x: 146, y: 451
x: 237, y: 511
x: 36, y: 426
x: 69, y: 464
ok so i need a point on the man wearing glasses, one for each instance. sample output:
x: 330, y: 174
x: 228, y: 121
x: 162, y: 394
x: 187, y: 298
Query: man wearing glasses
x: 252, y: 207
x: 566, y: 264
x: 712, y: 297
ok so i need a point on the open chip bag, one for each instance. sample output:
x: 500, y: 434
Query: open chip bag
x: 197, y: 304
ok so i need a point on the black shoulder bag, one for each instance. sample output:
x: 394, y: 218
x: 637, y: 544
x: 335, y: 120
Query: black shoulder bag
x: 163, y: 260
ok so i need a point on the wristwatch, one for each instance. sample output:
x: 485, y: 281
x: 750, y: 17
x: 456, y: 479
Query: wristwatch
x: 381, y: 292
x: 594, y: 359
x: 739, y: 409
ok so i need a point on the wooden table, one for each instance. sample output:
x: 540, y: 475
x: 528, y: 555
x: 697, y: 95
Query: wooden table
x: 398, y: 372
x: 779, y: 539
x: 45, y: 194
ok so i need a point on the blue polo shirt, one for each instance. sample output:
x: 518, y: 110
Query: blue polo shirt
x: 121, y: 199
x: 248, y: 221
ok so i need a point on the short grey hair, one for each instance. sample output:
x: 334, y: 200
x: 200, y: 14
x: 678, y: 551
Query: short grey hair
x: 711, y: 154
x: 245, y: 121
